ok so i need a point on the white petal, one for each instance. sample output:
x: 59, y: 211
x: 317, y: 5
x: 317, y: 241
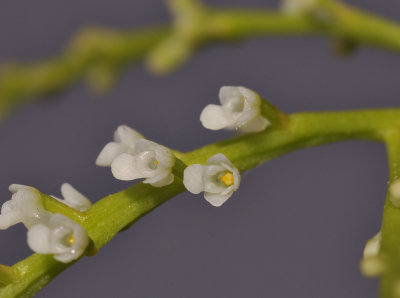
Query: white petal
x: 74, y: 198
x: 145, y: 145
x: 216, y: 199
x: 127, y: 135
x: 246, y: 117
x: 236, y: 178
x: 39, y: 239
x: 9, y: 219
x: 257, y: 124
x: 218, y: 159
x: 193, y: 178
x: 227, y: 92
x: 373, y: 245
x: 109, y: 153
x: 161, y: 182
x: 128, y: 167
x: 164, y: 157
x: 158, y: 175
x: 252, y: 98
x: 216, y: 117
x: 15, y: 187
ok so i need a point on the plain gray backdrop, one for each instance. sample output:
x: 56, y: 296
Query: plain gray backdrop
x: 297, y: 225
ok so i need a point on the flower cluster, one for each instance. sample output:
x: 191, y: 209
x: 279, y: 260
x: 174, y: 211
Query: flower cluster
x: 48, y: 233
x: 131, y: 156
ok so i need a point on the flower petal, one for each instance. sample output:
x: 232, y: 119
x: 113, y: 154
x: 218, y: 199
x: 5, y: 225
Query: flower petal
x: 217, y: 159
x: 9, y: 219
x: 227, y: 92
x: 252, y: 98
x: 109, y: 153
x: 161, y: 182
x: 39, y: 239
x: 216, y: 117
x: 74, y: 198
x: 216, y: 199
x: 193, y: 178
x: 128, y: 167
x: 255, y: 125
x: 127, y: 135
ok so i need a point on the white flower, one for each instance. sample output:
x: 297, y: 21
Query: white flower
x: 218, y: 179
x: 25, y: 206
x: 125, y: 139
x: 373, y: 245
x: 149, y: 160
x: 394, y: 192
x: 60, y: 236
x: 294, y: 7
x: 240, y: 109
x: 73, y: 198
x: 372, y: 264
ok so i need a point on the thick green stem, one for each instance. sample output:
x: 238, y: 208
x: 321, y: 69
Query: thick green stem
x: 117, y: 211
x: 390, y: 242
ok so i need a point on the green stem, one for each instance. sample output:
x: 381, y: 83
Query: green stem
x: 117, y: 211
x: 390, y: 241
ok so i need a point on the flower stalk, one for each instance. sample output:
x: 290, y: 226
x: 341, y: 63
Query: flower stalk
x: 115, y: 212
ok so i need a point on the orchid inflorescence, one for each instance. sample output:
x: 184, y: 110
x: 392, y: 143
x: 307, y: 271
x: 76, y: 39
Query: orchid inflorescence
x: 131, y: 156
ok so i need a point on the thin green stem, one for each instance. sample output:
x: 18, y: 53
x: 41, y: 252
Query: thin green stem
x: 117, y: 211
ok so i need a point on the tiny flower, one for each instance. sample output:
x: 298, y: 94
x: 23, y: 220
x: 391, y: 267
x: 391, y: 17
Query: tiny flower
x: 24, y: 206
x: 125, y: 139
x: 218, y: 179
x: 239, y: 109
x: 149, y: 160
x: 372, y: 247
x: 372, y: 264
x: 73, y: 198
x: 295, y: 7
x: 60, y: 236
x: 394, y: 192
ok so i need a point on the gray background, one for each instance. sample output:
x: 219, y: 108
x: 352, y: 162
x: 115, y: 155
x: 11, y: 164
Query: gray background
x: 297, y: 225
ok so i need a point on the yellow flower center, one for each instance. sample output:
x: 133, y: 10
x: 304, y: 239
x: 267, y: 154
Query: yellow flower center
x: 227, y: 179
x: 156, y: 162
x: 71, y: 240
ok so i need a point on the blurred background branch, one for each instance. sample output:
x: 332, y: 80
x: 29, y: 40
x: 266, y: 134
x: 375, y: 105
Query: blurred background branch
x: 98, y: 55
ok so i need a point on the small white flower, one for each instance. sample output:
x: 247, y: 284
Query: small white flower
x: 372, y: 264
x: 125, y: 139
x: 149, y: 160
x: 73, y: 198
x: 295, y: 7
x: 373, y: 245
x: 60, y: 236
x: 25, y: 206
x: 394, y: 192
x: 240, y: 109
x: 218, y: 179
